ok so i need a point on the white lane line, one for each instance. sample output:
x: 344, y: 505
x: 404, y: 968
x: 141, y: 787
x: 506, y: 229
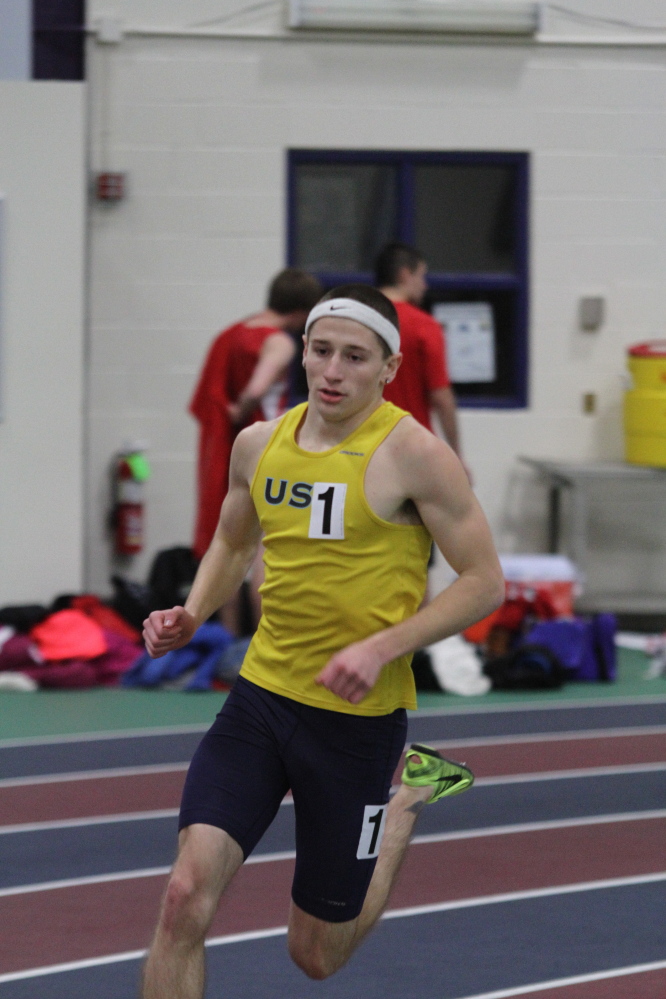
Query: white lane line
x: 499, y: 740
x: 266, y: 858
x: 181, y: 767
x: 135, y: 955
x: 548, y: 775
x: 162, y: 768
x: 121, y: 733
x: 519, y: 896
x: 464, y: 709
x: 561, y: 983
x: 572, y: 735
x: 422, y: 910
x: 630, y: 768
x: 58, y: 969
x: 64, y: 778
x: 92, y: 820
x: 49, y: 825
x: 522, y: 706
x: 529, y: 827
x: 147, y: 872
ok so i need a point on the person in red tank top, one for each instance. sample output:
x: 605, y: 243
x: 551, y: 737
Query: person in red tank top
x: 422, y: 383
x: 243, y: 363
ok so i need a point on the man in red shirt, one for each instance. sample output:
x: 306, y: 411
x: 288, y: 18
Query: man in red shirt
x: 243, y: 363
x: 422, y: 383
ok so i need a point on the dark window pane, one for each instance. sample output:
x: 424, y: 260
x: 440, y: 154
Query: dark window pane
x: 344, y: 215
x: 465, y: 218
x: 58, y: 39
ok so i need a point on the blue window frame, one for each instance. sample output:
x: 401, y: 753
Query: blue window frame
x: 466, y: 211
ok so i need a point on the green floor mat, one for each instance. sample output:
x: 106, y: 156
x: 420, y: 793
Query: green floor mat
x: 66, y: 712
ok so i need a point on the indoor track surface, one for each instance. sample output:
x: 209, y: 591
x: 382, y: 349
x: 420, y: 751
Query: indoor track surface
x: 548, y: 878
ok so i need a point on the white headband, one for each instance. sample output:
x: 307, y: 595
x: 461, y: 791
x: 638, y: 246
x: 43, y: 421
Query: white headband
x: 348, y: 308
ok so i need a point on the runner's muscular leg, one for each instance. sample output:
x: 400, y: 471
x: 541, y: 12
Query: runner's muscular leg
x: 320, y: 948
x: 207, y: 860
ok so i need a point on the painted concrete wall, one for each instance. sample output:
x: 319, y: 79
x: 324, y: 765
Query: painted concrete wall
x: 571, y: 18
x: 202, y: 127
x: 41, y: 364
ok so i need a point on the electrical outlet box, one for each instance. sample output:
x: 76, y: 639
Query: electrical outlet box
x: 590, y: 402
x: 591, y: 310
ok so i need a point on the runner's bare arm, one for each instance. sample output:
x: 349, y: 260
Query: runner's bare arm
x: 228, y: 558
x: 434, y: 479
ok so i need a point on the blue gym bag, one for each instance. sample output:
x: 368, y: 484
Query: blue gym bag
x: 586, y: 648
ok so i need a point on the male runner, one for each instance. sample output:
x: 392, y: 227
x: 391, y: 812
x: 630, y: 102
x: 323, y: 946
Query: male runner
x: 349, y: 491
x: 422, y: 384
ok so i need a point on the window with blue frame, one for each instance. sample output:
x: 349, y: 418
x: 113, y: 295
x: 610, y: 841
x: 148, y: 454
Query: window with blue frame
x: 466, y: 212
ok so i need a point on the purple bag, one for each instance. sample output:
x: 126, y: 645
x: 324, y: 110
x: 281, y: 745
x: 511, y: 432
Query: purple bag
x: 586, y: 648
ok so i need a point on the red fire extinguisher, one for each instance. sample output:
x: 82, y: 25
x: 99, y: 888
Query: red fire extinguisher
x: 131, y: 473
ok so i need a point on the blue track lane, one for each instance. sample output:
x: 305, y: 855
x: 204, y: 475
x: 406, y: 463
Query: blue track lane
x: 445, y: 955
x: 105, y: 754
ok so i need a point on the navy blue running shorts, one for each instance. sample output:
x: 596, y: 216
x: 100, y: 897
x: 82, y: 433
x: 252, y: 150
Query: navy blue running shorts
x: 339, y: 768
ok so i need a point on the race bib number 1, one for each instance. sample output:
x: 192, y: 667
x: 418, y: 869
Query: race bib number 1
x: 374, y: 820
x: 327, y: 512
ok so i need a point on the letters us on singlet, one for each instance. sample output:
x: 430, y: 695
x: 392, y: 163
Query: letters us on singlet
x: 327, y: 500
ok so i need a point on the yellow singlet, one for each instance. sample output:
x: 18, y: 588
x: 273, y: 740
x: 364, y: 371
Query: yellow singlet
x: 335, y: 571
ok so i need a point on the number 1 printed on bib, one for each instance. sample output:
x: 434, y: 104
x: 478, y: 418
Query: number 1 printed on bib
x: 327, y: 513
x: 374, y: 820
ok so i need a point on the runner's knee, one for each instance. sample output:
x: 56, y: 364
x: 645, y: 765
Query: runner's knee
x: 188, y: 907
x: 316, y: 961
x: 319, y: 948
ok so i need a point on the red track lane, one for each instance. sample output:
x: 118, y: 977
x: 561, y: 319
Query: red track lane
x: 645, y: 985
x: 75, y: 799
x: 69, y: 924
x: 556, y: 754
x: 147, y: 792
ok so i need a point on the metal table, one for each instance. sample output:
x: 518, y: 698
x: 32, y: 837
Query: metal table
x: 579, y: 477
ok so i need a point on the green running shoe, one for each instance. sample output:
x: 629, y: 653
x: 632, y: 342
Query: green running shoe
x: 446, y: 776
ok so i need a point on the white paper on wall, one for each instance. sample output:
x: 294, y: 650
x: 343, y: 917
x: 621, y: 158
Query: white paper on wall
x: 469, y: 330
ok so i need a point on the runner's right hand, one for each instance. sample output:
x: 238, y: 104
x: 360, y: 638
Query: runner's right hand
x: 165, y: 631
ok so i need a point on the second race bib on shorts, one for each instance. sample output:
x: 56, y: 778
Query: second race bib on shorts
x: 374, y: 820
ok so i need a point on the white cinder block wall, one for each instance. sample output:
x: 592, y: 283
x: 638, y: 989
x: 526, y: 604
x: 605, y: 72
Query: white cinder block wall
x: 42, y: 270
x: 202, y: 126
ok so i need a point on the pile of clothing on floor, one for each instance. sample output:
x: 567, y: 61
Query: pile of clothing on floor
x: 88, y: 644
x: 211, y: 661
x: 529, y: 646
x: 81, y: 641
x: 78, y: 642
x: 524, y: 645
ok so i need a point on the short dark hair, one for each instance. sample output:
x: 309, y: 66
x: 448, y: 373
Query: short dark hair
x: 392, y: 259
x: 293, y: 290
x: 367, y: 295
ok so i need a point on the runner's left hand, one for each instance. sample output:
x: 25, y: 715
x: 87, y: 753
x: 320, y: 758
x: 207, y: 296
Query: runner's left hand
x: 351, y: 673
